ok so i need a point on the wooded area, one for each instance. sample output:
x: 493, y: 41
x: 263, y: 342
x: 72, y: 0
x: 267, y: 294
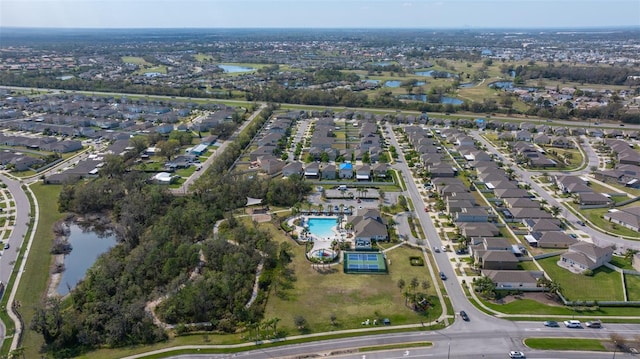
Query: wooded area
x: 161, y: 237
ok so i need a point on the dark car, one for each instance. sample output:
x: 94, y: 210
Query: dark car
x: 464, y: 315
x: 551, y: 323
x: 594, y: 324
x: 580, y: 223
x: 443, y: 276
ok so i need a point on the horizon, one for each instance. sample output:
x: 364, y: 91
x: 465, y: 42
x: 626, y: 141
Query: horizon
x: 319, y: 14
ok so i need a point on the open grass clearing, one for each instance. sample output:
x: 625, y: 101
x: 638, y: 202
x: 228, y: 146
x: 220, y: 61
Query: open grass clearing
x: 353, y: 298
x: 134, y: 60
x: 632, y: 282
x: 593, y: 345
x: 596, y: 216
x: 605, y: 284
x: 36, y: 275
x: 621, y: 262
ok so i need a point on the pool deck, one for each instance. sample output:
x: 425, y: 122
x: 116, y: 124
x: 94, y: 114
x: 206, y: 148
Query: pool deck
x: 319, y: 242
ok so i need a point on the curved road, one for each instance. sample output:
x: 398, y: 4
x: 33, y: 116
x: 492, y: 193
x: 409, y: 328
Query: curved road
x: 16, y: 239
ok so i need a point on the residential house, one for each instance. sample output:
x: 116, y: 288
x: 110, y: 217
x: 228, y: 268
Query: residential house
x: 292, y: 168
x: 312, y: 170
x: 499, y: 260
x: 553, y: 239
x: 515, y: 279
x: 363, y: 173
x: 542, y: 225
x: 345, y: 170
x: 270, y: 164
x: 627, y: 217
x: 471, y: 214
x: 572, y: 184
x: 329, y: 172
x: 368, y: 226
x: 585, y: 256
x: 380, y: 170
x: 594, y: 199
x: 478, y: 229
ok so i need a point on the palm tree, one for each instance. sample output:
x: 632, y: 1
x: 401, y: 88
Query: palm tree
x: 274, y: 323
x: 555, y: 210
x: 554, y: 287
x: 629, y: 253
x: 365, y: 191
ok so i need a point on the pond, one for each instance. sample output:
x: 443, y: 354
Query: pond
x: 87, y: 246
x: 423, y: 98
x: 434, y: 73
x: 501, y: 84
x: 393, y: 83
x: 230, y: 69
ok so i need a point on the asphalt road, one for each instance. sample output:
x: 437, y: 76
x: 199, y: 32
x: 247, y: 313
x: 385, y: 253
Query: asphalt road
x: 453, y: 342
x: 16, y: 239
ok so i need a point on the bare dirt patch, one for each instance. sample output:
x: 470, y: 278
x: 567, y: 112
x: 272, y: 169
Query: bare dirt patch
x: 541, y: 297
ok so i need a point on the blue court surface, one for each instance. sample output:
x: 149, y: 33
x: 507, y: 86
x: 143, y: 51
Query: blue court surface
x: 355, y: 262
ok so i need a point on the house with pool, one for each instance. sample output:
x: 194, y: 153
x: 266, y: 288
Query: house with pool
x: 368, y: 226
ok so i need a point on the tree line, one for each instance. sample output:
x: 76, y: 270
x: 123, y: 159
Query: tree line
x: 161, y: 237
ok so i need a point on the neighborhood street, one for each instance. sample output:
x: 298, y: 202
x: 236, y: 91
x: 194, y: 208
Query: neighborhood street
x: 17, y: 237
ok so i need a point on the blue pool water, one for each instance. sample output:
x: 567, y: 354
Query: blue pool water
x: 230, y: 69
x: 322, y: 227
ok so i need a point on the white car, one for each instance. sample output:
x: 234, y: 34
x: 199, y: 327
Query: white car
x: 514, y: 354
x: 572, y: 324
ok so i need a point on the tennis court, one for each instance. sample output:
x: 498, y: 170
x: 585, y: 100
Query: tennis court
x: 370, y: 262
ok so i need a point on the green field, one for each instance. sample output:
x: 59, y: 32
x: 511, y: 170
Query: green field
x: 353, y: 298
x: 632, y: 282
x: 592, y: 345
x: 34, y: 279
x: 605, y: 284
x: 134, y: 60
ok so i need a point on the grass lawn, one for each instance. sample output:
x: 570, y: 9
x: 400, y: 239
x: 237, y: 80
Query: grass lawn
x: 595, y: 215
x: 353, y: 298
x: 632, y: 283
x: 528, y: 265
x: 565, y: 344
x: 34, y: 279
x: 603, y: 285
x: 134, y: 60
x: 620, y: 262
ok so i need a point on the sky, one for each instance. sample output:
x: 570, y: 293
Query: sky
x: 431, y: 14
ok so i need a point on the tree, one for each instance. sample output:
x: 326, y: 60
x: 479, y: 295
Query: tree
x: 401, y: 283
x: 168, y: 148
x: 300, y: 322
x: 629, y: 255
x: 555, y: 210
x: 139, y: 143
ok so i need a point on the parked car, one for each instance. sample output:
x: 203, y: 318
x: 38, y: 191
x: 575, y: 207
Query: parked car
x: 594, y: 324
x: 443, y: 276
x: 436, y: 249
x: 572, y: 324
x: 551, y: 323
x: 464, y: 315
x: 515, y: 354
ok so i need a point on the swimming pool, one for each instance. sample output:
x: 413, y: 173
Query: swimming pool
x: 322, y: 227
